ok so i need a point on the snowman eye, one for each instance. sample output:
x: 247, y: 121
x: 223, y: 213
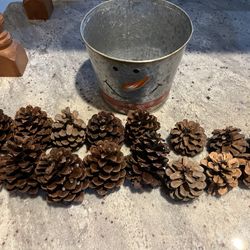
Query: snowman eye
x: 136, y: 71
x: 115, y: 68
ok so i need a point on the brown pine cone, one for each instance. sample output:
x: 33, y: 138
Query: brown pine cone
x: 146, y: 165
x: 18, y: 164
x: 228, y: 140
x: 104, y: 126
x: 188, y: 138
x: 32, y: 121
x: 222, y: 171
x: 5, y: 128
x: 62, y: 175
x: 68, y: 131
x: 105, y: 167
x: 185, y: 180
x: 244, y: 161
x: 138, y: 123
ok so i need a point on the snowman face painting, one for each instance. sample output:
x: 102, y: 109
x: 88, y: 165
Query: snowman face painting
x: 136, y: 84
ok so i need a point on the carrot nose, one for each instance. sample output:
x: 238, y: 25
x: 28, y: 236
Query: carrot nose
x: 135, y: 85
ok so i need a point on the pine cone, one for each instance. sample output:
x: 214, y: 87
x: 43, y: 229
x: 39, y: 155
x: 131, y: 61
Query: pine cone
x: 188, y: 138
x: 104, y: 126
x: 228, y: 140
x: 222, y: 171
x: 138, y: 123
x: 105, y: 167
x: 32, y: 121
x: 146, y: 165
x: 244, y: 161
x: 17, y: 166
x: 68, y: 131
x: 5, y: 128
x: 62, y: 175
x: 185, y: 180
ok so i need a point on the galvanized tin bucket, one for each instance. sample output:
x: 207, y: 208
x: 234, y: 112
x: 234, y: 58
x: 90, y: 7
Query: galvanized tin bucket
x: 135, y: 47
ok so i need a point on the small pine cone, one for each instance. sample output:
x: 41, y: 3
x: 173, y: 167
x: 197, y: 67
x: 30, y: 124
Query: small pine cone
x: 222, y: 171
x: 105, y: 167
x: 146, y: 165
x: 62, y: 175
x: 228, y: 140
x: 138, y: 123
x: 32, y: 121
x: 18, y: 164
x: 188, y: 138
x: 104, y: 126
x: 185, y: 180
x: 5, y: 128
x: 68, y: 131
x: 244, y: 161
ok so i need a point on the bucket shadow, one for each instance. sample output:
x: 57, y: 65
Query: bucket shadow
x: 87, y: 87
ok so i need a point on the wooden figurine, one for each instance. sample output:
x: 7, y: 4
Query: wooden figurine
x: 13, y: 58
x: 38, y: 9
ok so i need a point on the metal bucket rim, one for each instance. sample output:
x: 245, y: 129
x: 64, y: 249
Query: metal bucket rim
x: 83, y: 25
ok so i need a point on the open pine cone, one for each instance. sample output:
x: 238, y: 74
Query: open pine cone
x: 244, y: 161
x: 5, y: 128
x: 18, y: 164
x: 185, y: 180
x: 188, y: 138
x: 138, y: 123
x: 146, y: 165
x: 105, y: 167
x: 62, y: 175
x: 104, y: 126
x: 228, y: 140
x: 68, y: 131
x: 32, y: 121
x: 222, y: 171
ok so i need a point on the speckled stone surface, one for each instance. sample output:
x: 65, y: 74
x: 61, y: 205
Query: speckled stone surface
x: 211, y: 86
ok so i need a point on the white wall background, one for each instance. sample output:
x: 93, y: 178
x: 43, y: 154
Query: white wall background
x: 4, y: 4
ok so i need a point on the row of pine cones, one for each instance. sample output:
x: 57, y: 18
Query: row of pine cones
x: 26, y: 165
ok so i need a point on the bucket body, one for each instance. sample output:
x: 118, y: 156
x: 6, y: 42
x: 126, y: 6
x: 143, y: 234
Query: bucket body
x: 135, y: 47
